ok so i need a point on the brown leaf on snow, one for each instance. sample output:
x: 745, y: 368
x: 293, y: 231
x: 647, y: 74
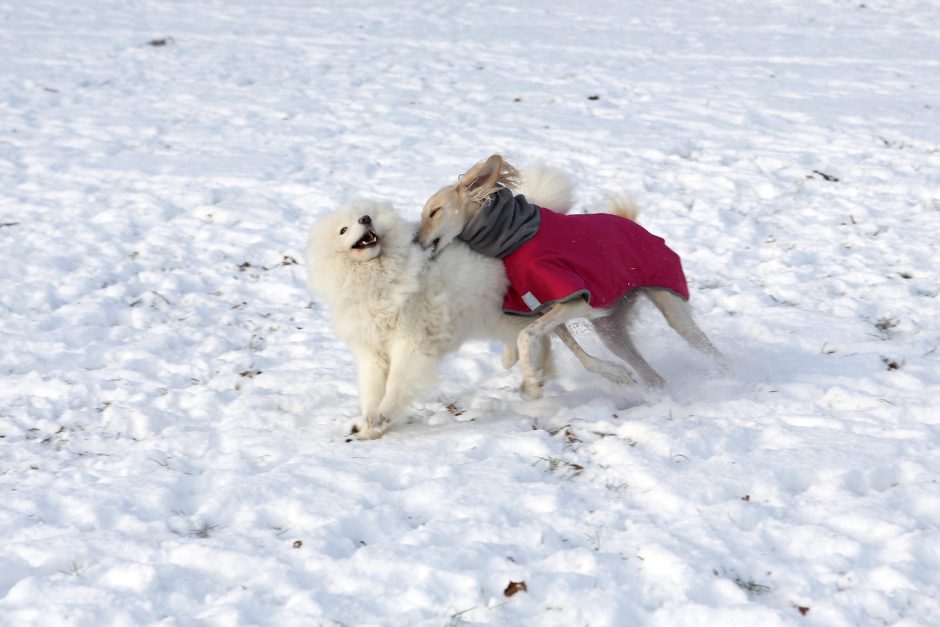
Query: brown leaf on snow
x: 514, y: 587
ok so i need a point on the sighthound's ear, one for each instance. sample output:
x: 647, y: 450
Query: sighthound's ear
x: 481, y: 180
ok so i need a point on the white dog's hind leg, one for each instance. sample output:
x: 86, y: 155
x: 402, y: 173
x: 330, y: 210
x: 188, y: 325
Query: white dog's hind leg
x: 678, y: 315
x: 531, y: 346
x: 510, y: 355
x: 607, y: 369
x: 507, y: 328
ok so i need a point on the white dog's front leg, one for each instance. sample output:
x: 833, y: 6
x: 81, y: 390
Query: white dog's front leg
x: 372, y: 367
x: 410, y: 370
x: 374, y: 425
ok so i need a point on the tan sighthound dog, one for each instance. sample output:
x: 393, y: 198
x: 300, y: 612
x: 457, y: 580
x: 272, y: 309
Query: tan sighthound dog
x: 454, y: 212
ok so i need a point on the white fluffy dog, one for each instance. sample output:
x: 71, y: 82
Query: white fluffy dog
x: 399, y: 313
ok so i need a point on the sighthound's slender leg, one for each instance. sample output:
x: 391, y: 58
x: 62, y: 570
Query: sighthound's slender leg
x: 607, y: 369
x: 614, y: 332
x: 678, y: 315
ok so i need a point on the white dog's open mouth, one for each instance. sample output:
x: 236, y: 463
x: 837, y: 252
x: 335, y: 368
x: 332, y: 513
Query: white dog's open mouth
x: 368, y: 240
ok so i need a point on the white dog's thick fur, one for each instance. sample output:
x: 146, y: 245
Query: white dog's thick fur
x: 448, y: 211
x: 399, y: 312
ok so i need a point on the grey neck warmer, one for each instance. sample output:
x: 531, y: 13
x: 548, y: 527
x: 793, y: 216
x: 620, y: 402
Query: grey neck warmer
x: 503, y: 224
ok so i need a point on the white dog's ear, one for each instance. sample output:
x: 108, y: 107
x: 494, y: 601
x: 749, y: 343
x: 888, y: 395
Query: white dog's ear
x: 481, y: 180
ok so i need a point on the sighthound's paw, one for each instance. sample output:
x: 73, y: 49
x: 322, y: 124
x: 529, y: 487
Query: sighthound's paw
x: 618, y: 375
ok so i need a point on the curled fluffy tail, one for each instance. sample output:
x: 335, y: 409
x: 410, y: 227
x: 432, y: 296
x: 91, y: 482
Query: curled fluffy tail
x: 623, y: 205
x: 552, y: 188
x: 547, y: 186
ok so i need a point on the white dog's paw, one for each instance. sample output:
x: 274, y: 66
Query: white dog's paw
x: 372, y: 428
x: 531, y: 389
x: 510, y: 356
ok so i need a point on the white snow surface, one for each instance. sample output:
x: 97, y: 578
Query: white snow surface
x: 174, y: 407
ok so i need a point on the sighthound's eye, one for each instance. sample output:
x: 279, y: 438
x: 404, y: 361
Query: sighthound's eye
x: 342, y: 230
x: 434, y: 212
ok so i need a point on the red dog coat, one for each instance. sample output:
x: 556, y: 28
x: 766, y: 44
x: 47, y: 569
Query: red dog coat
x: 598, y: 256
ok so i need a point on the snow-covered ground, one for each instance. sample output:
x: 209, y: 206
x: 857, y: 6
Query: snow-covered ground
x: 173, y: 407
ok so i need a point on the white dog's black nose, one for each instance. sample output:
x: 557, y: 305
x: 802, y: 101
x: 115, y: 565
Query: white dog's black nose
x: 365, y: 220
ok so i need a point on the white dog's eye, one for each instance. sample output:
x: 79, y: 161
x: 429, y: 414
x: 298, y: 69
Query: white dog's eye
x: 434, y: 212
x: 342, y: 230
